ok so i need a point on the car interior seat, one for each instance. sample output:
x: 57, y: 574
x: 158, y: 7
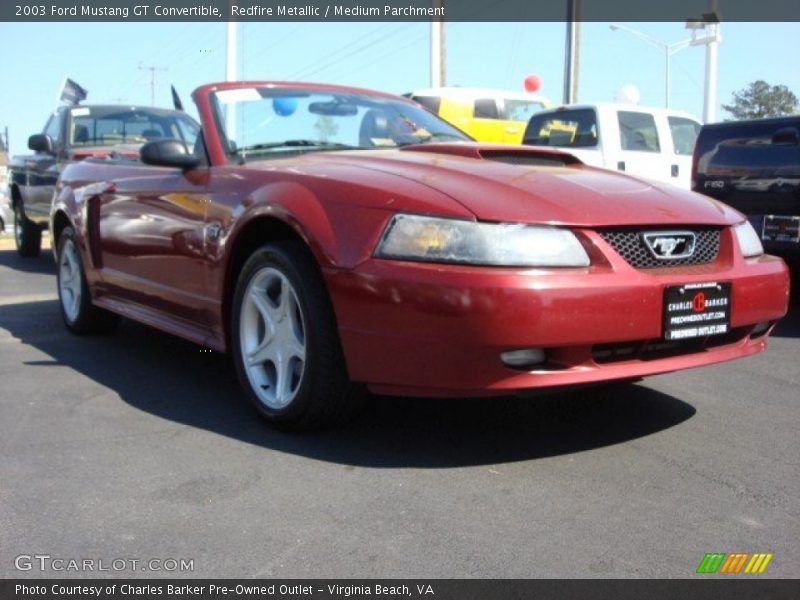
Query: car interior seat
x: 151, y: 134
x: 375, y: 124
x: 81, y: 134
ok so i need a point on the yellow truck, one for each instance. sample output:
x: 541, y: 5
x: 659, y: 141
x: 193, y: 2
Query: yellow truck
x: 488, y: 115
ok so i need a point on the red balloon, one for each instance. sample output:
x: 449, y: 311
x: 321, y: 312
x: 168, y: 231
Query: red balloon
x: 532, y: 83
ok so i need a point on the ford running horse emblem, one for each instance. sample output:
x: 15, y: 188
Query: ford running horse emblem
x: 670, y: 245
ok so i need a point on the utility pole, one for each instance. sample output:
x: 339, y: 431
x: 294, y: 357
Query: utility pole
x: 230, y: 75
x: 710, y: 92
x: 709, y: 23
x: 438, y: 48
x: 230, y: 52
x: 571, y: 52
x: 153, y: 69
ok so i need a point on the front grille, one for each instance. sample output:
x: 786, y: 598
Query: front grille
x: 630, y: 245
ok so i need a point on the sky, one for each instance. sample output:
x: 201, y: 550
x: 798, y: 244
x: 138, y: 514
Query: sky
x: 111, y: 59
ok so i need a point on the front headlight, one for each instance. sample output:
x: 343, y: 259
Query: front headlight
x: 749, y: 241
x: 416, y: 237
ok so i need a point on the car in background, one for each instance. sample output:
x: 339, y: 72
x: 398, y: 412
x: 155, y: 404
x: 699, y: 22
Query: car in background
x: 487, y: 115
x: 754, y: 166
x: 333, y: 238
x: 73, y: 133
x: 6, y: 214
x: 653, y: 143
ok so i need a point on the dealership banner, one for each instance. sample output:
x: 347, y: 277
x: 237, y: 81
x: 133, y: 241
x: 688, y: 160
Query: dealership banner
x: 370, y: 589
x: 398, y: 10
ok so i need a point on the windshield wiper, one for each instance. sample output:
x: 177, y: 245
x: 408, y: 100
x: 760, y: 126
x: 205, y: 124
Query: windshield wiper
x: 293, y: 144
x: 436, y: 137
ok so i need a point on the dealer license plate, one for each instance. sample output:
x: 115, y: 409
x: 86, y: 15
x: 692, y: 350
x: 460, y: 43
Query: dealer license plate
x: 780, y: 228
x: 697, y: 310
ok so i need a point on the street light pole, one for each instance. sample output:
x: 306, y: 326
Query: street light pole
x: 710, y: 96
x: 668, y: 48
x: 666, y: 77
x: 571, y: 51
x: 230, y: 75
x: 438, y: 48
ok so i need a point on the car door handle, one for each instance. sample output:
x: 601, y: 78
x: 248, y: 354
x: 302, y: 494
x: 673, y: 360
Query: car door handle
x: 512, y: 130
x: 675, y: 170
x: 621, y: 165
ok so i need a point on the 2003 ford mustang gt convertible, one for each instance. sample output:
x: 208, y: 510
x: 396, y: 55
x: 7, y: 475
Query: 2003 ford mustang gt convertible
x: 333, y: 239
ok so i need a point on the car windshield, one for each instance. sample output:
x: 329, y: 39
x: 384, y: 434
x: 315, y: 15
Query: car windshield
x: 113, y: 125
x: 261, y: 121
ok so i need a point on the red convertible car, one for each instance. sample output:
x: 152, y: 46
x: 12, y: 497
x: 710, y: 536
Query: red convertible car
x: 333, y: 239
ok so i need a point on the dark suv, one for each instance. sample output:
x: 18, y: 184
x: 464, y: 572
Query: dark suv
x: 73, y: 133
x: 754, y: 166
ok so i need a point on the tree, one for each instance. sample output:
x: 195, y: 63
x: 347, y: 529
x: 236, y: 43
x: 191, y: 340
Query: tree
x: 760, y: 100
x: 326, y: 128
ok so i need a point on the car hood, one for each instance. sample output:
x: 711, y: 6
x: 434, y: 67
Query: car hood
x: 519, y: 184
x: 504, y: 183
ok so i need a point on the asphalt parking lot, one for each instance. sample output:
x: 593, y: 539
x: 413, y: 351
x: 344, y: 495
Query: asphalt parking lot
x: 139, y: 445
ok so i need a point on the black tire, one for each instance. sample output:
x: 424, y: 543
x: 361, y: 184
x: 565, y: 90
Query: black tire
x: 27, y: 234
x: 323, y: 395
x: 84, y: 317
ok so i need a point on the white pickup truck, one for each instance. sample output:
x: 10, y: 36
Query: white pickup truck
x: 654, y: 143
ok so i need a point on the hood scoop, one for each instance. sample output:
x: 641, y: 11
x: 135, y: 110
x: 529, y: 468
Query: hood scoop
x: 514, y: 155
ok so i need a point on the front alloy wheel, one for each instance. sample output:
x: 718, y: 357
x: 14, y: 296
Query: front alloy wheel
x: 272, y: 338
x: 285, y: 343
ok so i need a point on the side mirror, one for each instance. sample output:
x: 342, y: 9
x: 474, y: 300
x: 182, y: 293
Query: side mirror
x: 168, y: 153
x: 41, y: 142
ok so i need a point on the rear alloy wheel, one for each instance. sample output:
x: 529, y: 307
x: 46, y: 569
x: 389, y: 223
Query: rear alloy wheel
x: 27, y: 234
x: 77, y: 310
x: 285, y: 343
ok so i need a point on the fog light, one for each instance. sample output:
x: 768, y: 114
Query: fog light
x: 518, y: 359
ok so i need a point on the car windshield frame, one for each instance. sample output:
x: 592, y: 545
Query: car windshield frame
x: 323, y: 103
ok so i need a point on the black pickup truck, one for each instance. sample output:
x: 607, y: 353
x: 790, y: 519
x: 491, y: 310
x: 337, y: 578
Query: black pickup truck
x: 754, y: 166
x: 73, y: 133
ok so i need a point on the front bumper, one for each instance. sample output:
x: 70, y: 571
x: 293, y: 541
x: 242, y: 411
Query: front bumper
x: 438, y: 330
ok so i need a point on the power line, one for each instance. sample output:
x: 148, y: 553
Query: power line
x: 271, y: 43
x: 153, y: 69
x: 392, y: 52
x: 357, y: 50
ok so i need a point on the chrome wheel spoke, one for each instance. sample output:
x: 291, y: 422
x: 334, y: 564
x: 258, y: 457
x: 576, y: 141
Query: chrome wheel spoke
x: 263, y: 352
x: 295, y: 349
x: 282, y: 380
x: 259, y: 299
